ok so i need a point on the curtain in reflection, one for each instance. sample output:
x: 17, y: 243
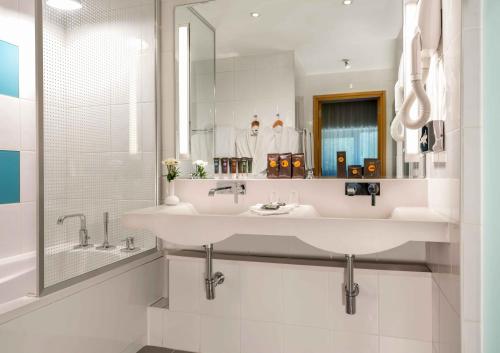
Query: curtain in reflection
x: 350, y: 127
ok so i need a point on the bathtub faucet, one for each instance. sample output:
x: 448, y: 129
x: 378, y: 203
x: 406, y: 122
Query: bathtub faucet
x: 83, y: 233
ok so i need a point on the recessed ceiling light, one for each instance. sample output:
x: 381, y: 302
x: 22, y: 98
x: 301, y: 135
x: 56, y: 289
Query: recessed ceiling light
x: 347, y: 63
x: 65, y: 4
x: 255, y: 14
x: 347, y: 2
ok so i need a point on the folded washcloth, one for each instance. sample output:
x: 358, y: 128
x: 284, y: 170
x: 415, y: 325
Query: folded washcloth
x: 257, y: 209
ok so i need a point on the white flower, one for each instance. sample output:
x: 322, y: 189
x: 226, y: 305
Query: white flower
x: 200, y: 163
x: 170, y: 162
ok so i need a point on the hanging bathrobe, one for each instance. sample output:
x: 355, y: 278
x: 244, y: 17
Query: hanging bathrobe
x: 286, y: 139
x: 256, y: 147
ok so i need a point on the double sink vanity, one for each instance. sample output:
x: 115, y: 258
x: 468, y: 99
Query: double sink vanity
x: 325, y: 216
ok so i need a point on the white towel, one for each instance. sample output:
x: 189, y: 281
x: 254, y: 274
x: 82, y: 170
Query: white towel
x: 256, y: 148
x: 258, y: 210
x: 224, y: 141
x: 286, y: 139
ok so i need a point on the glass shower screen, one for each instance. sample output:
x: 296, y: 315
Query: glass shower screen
x: 99, y: 134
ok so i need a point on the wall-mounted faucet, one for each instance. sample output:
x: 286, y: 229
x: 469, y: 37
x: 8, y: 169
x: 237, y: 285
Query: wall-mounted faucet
x: 83, y: 232
x: 229, y: 187
x: 363, y: 189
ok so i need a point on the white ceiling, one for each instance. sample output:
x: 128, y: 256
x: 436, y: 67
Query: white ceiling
x: 321, y: 32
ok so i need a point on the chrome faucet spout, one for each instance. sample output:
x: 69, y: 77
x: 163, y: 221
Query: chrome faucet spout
x: 235, y: 188
x: 213, y: 191
x: 83, y: 232
x: 83, y: 219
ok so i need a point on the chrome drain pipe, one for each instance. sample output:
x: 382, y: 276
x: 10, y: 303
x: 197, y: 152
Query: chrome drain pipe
x: 351, y: 288
x: 211, y: 280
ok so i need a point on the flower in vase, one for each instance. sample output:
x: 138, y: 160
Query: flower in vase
x: 172, y: 170
x: 199, y: 169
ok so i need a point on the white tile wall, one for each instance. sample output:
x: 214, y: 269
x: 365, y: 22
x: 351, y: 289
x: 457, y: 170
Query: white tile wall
x: 303, y: 339
x: 306, y: 297
x: 181, y: 331
x: 262, y: 85
x: 108, y: 316
x: 262, y: 293
x: 18, y: 128
x: 261, y: 337
x: 407, y: 297
x: 472, y: 187
x: 10, y: 136
x: 457, y: 266
x: 399, y: 345
x: 289, y: 308
x: 220, y: 335
x: 355, y: 343
x: 10, y: 232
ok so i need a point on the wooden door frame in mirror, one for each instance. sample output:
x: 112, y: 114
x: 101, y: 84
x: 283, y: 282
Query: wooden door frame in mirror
x: 318, y: 101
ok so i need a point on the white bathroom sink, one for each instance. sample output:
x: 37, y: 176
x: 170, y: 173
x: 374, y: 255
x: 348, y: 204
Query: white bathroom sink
x: 184, y: 225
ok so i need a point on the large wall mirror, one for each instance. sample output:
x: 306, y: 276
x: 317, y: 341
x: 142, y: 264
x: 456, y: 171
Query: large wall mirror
x: 314, y: 77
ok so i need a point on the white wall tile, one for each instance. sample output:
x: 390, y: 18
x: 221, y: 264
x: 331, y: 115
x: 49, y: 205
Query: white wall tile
x: 10, y: 219
x: 225, y: 86
x: 449, y: 327
x: 98, y: 318
x: 227, y: 300
x: 398, y: 345
x: 244, y: 85
x: 28, y: 125
x: 225, y: 65
x: 9, y: 31
x: 472, y: 174
x: 182, y: 331
x: 471, y: 337
x: 355, y: 343
x: 220, y: 335
x: 471, y: 279
x: 27, y: 64
x: 28, y: 226
x: 225, y: 113
x: 185, y: 280
x: 471, y: 10
x: 123, y: 118
x: 88, y: 129
x: 302, y: 339
x: 261, y: 337
x: 472, y: 66
x: 435, y: 313
x: 242, y: 63
x: 148, y: 127
x: 10, y: 134
x: 306, y: 298
x: 155, y: 326
x: 406, y: 307
x: 29, y: 176
x: 366, y: 318
x: 261, y: 293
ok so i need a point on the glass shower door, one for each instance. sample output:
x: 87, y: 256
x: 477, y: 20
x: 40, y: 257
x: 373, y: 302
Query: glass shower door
x: 99, y: 135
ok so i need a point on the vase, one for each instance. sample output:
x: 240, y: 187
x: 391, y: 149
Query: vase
x: 171, y: 199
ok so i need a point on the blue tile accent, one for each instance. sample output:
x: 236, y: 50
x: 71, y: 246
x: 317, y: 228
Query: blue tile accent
x: 9, y: 69
x: 9, y: 177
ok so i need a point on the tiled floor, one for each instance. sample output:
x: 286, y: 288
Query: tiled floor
x: 151, y: 349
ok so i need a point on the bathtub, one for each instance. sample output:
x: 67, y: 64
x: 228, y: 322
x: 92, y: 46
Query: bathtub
x: 17, y: 276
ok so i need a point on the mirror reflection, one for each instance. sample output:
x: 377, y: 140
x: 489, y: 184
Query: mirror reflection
x: 314, y: 79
